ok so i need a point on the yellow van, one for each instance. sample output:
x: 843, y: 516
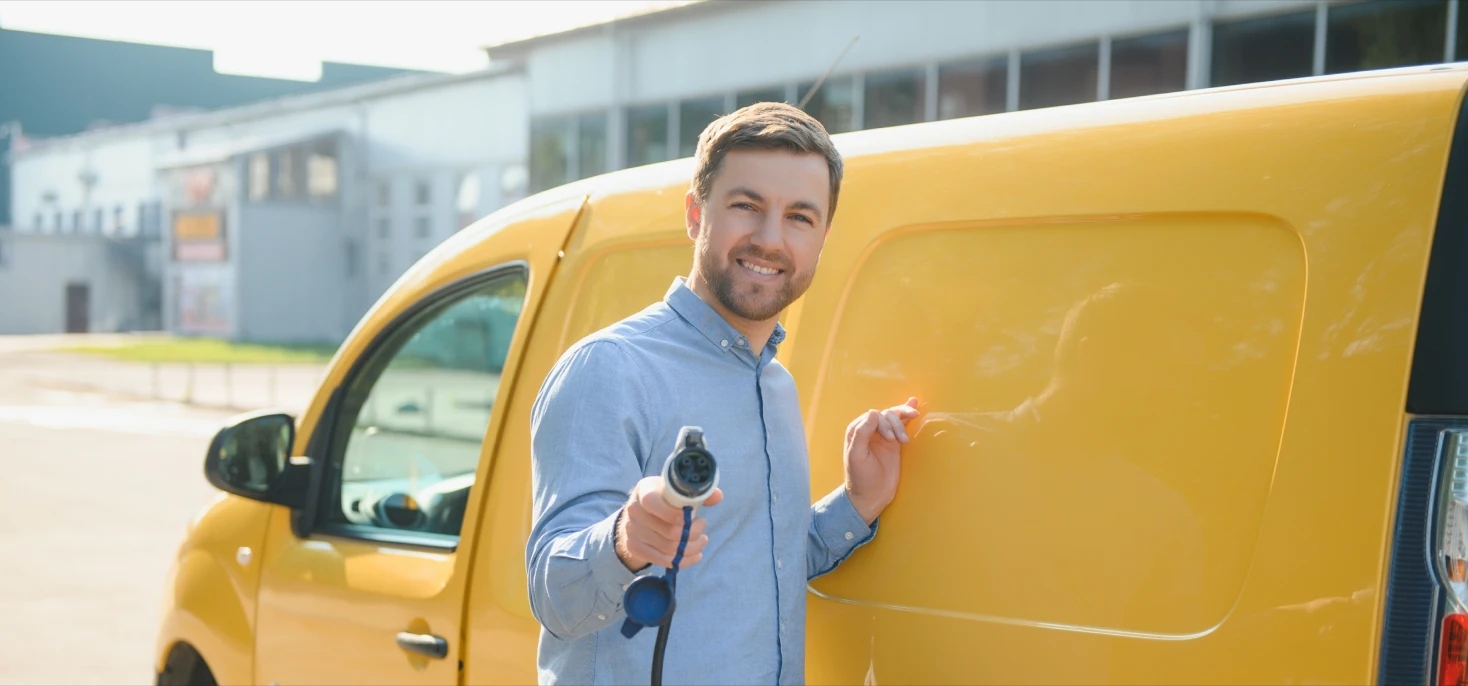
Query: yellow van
x: 1195, y: 369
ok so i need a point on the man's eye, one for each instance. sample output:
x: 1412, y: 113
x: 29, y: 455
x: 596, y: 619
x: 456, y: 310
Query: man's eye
x: 742, y: 206
x: 801, y: 217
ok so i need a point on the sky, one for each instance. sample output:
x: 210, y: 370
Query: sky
x: 291, y: 39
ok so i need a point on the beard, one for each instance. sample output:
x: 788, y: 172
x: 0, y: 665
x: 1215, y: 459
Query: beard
x: 749, y: 300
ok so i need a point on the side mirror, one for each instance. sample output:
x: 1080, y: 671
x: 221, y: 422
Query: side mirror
x: 251, y: 457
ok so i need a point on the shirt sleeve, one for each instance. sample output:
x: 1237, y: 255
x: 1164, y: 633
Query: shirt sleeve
x: 836, y: 531
x: 588, y: 445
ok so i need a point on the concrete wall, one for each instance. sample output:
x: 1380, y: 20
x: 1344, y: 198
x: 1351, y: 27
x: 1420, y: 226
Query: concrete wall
x: 290, y: 274
x: 36, y: 268
x: 123, y: 173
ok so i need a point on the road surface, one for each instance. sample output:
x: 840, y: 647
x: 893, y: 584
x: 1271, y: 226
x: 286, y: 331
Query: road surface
x: 98, y: 490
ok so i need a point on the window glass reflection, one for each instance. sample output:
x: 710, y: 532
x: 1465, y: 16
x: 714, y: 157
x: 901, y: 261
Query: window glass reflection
x: 1147, y: 65
x: 1063, y: 76
x: 1384, y: 34
x: 1265, y: 49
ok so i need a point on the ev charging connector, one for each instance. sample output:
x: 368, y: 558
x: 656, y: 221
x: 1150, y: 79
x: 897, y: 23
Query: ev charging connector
x: 690, y: 475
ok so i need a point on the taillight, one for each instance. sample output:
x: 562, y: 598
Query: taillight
x: 1452, y: 662
x: 1450, y: 556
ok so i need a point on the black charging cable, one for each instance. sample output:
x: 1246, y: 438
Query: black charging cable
x: 661, y: 645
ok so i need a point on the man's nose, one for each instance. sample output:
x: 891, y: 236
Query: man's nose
x: 767, y: 234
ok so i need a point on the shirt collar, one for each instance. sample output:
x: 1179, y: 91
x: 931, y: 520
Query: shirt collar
x: 709, y: 322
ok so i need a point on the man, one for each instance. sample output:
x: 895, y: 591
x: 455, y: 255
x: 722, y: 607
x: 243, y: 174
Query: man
x: 609, y: 412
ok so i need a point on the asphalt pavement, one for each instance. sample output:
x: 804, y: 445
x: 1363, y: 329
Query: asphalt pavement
x: 99, y: 486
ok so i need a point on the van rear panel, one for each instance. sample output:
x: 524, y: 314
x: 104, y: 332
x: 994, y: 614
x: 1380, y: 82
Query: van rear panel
x: 1417, y: 592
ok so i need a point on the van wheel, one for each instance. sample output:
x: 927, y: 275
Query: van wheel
x: 185, y: 668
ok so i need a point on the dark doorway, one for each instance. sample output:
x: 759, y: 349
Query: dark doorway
x: 78, y: 306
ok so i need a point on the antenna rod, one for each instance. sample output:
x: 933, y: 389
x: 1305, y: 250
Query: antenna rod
x: 805, y: 100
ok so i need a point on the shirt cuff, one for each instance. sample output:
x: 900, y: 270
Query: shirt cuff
x: 839, y: 524
x: 610, y: 576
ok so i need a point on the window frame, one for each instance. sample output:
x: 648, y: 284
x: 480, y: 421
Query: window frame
x: 329, y: 433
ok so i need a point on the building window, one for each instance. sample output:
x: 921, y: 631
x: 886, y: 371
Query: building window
x: 1267, y: 49
x: 971, y: 89
x: 288, y: 179
x: 76, y: 222
x: 551, y: 146
x: 1147, y: 65
x: 1062, y: 76
x: 384, y: 193
x: 39, y: 223
x: 466, y: 202
x: 1385, y: 34
x: 1461, y: 51
x: 259, y: 177
x: 422, y: 227
x: 744, y: 99
x: 382, y: 264
x: 591, y: 153
x: 693, y: 117
x: 566, y: 148
x: 894, y: 98
x: 352, y: 258
x: 97, y: 220
x: 59, y: 228
x: 647, y: 134
x: 423, y: 192
x: 4, y: 255
x: 321, y: 171
x: 117, y: 219
x: 834, y: 105
x: 384, y: 228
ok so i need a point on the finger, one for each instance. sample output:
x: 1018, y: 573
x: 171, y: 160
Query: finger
x: 714, y: 498
x: 913, y: 402
x: 886, y: 426
x: 695, y: 548
x: 690, y: 560
x: 895, y: 421
x: 650, y: 496
x: 652, y: 540
x: 699, y: 526
x: 638, y: 516
x: 866, y: 425
x: 904, y: 412
x: 643, y: 551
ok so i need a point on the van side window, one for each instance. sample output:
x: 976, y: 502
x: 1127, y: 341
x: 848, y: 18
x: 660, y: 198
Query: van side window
x: 407, y: 443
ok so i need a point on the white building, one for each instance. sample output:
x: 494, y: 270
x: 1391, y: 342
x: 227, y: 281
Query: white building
x: 640, y: 90
x: 284, y: 220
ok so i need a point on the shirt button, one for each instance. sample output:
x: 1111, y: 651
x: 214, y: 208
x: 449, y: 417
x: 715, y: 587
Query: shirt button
x: 848, y: 537
x: 602, y: 617
x: 774, y: 497
x: 742, y: 342
x: 779, y: 564
x: 724, y: 342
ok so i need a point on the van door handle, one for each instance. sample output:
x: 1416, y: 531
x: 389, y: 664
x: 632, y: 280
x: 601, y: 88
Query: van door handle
x: 424, y: 644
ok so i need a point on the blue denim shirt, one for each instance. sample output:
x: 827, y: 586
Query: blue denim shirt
x: 607, y: 415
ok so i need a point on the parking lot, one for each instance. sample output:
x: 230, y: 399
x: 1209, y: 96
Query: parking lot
x: 101, y: 480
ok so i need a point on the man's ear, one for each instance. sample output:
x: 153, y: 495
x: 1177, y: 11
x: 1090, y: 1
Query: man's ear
x: 693, y: 214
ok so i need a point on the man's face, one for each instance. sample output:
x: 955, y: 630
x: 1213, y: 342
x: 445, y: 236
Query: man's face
x: 758, y: 237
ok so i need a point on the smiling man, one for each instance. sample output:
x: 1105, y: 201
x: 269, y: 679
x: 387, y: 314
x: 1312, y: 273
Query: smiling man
x: 609, y: 412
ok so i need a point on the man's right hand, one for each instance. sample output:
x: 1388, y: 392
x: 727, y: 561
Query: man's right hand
x: 649, y: 529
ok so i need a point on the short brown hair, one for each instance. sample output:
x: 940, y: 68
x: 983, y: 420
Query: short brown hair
x: 764, y: 126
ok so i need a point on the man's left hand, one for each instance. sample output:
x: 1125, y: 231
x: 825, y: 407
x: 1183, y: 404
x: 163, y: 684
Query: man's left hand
x: 873, y: 457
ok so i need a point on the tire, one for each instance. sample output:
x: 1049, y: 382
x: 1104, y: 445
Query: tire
x: 185, y: 668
